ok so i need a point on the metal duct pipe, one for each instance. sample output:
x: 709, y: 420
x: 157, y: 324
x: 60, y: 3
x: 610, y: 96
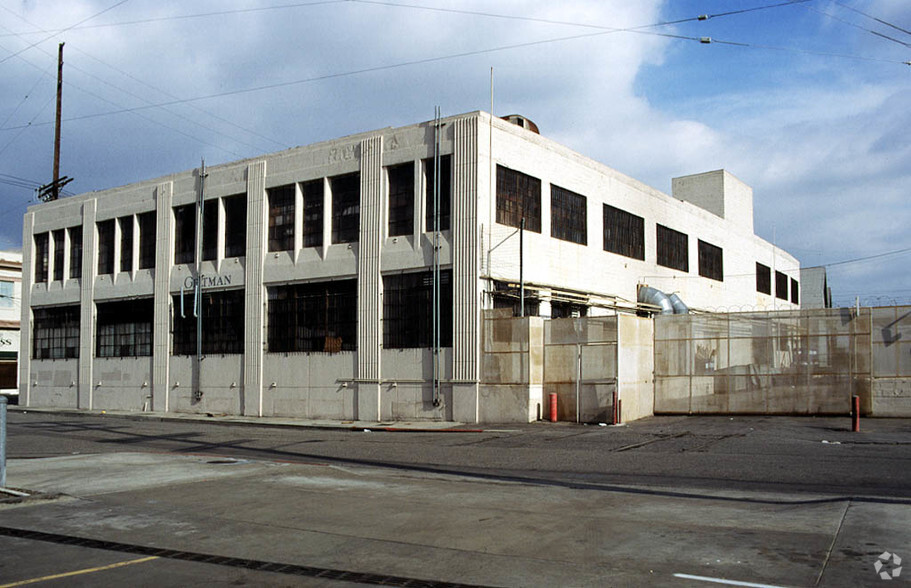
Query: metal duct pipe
x: 656, y: 297
x: 679, y: 306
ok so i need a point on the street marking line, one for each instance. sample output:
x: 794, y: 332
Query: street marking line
x: 80, y: 572
x: 718, y: 581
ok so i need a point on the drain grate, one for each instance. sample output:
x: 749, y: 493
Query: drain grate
x: 248, y: 564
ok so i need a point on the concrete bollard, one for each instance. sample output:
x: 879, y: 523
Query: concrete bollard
x: 553, y: 407
x: 855, y: 414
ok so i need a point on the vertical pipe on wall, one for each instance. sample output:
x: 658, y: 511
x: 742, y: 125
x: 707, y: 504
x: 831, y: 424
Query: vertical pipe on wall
x: 437, y: 132
x: 197, y: 294
x: 522, y: 267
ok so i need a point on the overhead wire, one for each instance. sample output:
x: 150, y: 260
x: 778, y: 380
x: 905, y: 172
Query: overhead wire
x: 880, y: 21
x: 857, y: 26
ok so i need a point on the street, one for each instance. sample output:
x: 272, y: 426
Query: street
x: 664, y: 501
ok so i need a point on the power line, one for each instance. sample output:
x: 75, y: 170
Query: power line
x: 866, y: 258
x: 857, y: 26
x: 888, y: 24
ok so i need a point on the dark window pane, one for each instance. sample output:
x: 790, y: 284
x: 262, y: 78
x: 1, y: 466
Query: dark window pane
x: 106, y: 247
x: 781, y: 286
x: 75, y: 252
x: 313, y: 213
x: 124, y: 328
x: 346, y: 208
x: 507, y: 296
x: 281, y: 218
x: 561, y: 309
x: 795, y: 292
x: 185, y: 234
x: 445, y: 192
x: 59, y: 252
x: 408, y: 310
x: 147, y: 238
x: 672, y: 249
x: 55, y: 333
x: 41, y: 257
x: 711, y: 261
x: 126, y: 243
x: 763, y: 278
x: 222, y: 320
x: 314, y: 317
x: 210, y: 229
x: 235, y: 225
x: 568, y: 216
x: 624, y: 233
x: 518, y: 197
x: 401, y: 199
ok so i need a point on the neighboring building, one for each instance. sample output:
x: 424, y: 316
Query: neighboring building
x: 316, y: 272
x: 10, y: 311
x: 815, y: 289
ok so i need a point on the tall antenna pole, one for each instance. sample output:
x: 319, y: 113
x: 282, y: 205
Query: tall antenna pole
x: 55, y: 191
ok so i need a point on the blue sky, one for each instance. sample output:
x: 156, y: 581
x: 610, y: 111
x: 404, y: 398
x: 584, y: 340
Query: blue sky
x: 808, y: 106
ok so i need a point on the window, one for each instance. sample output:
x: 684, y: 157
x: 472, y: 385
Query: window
x: 185, y: 234
x: 763, y: 278
x: 235, y: 225
x: 210, y: 229
x: 147, y: 240
x: 346, y: 208
x: 559, y: 309
x: 711, y: 261
x: 55, y: 333
x: 6, y: 294
x: 445, y: 192
x: 75, y: 252
x: 518, y: 197
x: 673, y: 249
x: 315, y: 317
x: 509, y: 296
x: 408, y: 310
x: 313, y: 213
x: 41, y: 257
x: 222, y: 319
x: 568, y: 216
x: 124, y: 328
x: 781, y: 286
x: 106, y: 247
x: 281, y: 218
x: 624, y: 233
x: 401, y: 199
x: 795, y: 292
x: 59, y: 251
x: 126, y: 243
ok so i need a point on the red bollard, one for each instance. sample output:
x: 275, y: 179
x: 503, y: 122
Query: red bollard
x: 855, y: 414
x: 553, y: 407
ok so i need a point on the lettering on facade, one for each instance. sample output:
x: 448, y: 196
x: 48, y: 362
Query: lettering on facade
x: 4, y: 342
x: 206, y: 281
x: 393, y: 143
x: 338, y: 154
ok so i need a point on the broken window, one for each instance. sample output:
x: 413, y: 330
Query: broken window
x: 185, y: 234
x: 763, y: 278
x: 59, y: 251
x: 563, y: 309
x: 75, y: 251
x: 781, y: 286
x: 55, y: 332
x: 222, y: 319
x: 445, y: 192
x: 314, y: 317
x: 568, y: 215
x: 509, y: 296
x: 408, y: 310
x: 346, y: 208
x: 124, y: 328
x: 235, y: 225
x: 147, y: 240
x: 711, y: 261
x: 106, y: 247
x: 281, y: 218
x: 41, y: 257
x: 624, y: 233
x: 313, y: 212
x: 126, y: 243
x: 518, y: 197
x: 673, y: 249
x: 401, y: 199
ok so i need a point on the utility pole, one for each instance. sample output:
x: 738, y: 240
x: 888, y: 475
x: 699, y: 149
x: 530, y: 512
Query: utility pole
x: 56, y: 189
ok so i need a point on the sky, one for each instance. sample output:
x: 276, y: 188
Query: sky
x: 805, y: 101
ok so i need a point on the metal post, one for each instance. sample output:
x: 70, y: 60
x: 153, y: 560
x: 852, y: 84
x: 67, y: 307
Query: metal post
x: 522, y: 267
x: 855, y: 414
x: 3, y: 441
x: 578, y: 377
x: 437, y: 132
x: 197, y: 301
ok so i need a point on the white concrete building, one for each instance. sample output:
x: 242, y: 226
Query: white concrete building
x: 315, y: 264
